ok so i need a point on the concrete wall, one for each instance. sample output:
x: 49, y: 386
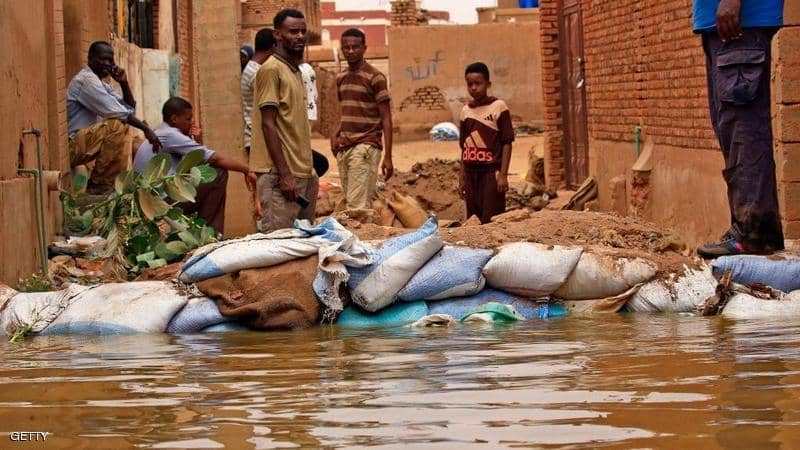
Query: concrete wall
x: 215, y: 48
x: 29, y: 98
x: 426, y: 65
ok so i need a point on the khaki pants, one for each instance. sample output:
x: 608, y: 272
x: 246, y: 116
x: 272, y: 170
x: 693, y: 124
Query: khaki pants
x: 358, y: 170
x: 276, y: 211
x: 108, y: 144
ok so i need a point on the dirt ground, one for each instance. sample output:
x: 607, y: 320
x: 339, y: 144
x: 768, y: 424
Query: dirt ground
x: 406, y: 154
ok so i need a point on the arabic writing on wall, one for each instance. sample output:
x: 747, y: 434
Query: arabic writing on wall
x: 422, y: 70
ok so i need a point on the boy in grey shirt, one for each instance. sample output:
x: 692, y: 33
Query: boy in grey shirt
x: 175, y: 136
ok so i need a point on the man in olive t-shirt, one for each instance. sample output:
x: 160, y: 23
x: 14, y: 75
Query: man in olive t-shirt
x: 281, y: 145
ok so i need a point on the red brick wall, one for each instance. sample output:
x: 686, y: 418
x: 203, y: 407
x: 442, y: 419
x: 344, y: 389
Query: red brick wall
x: 644, y: 67
x: 184, y: 47
x: 551, y: 88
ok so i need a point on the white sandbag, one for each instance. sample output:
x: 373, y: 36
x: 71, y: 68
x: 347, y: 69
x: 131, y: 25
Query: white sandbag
x: 684, y: 293
x: 531, y: 270
x: 745, y: 306
x: 198, y: 314
x: 375, y: 286
x: 453, y: 272
x: 260, y: 250
x: 600, y: 276
x: 33, y: 311
x: 135, y: 307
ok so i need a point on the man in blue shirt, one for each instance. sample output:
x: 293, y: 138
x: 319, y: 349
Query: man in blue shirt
x: 736, y: 38
x: 98, y: 119
x: 178, y: 136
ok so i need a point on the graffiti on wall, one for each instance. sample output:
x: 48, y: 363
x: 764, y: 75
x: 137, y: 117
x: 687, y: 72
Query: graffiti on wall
x: 422, y: 70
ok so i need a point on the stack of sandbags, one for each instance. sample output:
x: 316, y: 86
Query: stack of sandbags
x: 134, y: 307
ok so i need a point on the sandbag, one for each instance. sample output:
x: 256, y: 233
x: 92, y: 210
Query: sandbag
x: 745, y: 306
x: 493, y: 312
x: 600, y: 276
x: 395, y: 315
x: 410, y: 213
x: 531, y: 270
x: 613, y: 304
x: 781, y: 274
x: 527, y: 308
x: 453, y: 272
x: 261, y: 250
x: 444, y: 131
x: 134, y: 307
x: 375, y: 286
x: 684, y: 293
x: 33, y: 311
x: 433, y: 321
x: 226, y: 327
x: 271, y: 298
x: 198, y: 314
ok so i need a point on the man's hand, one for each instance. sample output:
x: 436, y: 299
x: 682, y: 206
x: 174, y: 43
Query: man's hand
x: 729, y: 26
x: 387, y: 168
x: 462, y: 189
x: 119, y: 75
x: 196, y: 133
x: 153, y: 139
x: 502, y: 182
x: 288, y: 187
x: 250, y: 179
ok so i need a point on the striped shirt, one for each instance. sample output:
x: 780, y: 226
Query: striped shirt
x: 248, y: 77
x: 360, y: 92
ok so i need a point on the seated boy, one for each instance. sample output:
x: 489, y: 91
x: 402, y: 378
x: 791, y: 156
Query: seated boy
x: 175, y: 135
x: 485, y: 139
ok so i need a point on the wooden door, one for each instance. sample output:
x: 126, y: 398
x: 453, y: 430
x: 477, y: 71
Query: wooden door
x: 573, y: 89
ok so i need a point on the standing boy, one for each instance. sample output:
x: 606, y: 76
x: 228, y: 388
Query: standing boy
x: 366, y: 116
x: 485, y: 138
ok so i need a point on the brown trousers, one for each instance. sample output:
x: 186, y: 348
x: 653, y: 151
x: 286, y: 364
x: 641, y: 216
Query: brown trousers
x: 107, y: 143
x: 276, y: 211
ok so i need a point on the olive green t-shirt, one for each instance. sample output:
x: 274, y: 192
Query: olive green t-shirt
x: 279, y: 84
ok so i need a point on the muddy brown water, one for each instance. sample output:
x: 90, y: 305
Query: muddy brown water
x: 623, y: 381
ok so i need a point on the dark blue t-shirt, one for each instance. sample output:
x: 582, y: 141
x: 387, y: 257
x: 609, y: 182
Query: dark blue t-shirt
x: 755, y: 13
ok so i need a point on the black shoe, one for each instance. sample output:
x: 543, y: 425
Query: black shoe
x: 729, y: 247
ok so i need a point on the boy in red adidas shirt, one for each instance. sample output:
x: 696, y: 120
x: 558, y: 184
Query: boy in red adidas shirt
x: 485, y: 138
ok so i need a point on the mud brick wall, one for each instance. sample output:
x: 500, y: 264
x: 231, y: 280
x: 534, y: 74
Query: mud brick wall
x: 258, y: 14
x: 786, y: 117
x: 407, y: 13
x: 428, y: 98
x: 551, y: 92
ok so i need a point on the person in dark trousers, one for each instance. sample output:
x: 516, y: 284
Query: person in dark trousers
x: 178, y: 136
x: 736, y: 36
x: 486, y: 135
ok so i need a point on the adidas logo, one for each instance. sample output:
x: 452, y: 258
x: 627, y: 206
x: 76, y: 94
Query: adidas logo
x: 489, y: 118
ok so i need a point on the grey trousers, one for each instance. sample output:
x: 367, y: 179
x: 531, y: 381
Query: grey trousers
x: 739, y: 100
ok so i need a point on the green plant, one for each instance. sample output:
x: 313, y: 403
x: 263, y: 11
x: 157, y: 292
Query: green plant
x: 142, y: 229
x: 35, y: 283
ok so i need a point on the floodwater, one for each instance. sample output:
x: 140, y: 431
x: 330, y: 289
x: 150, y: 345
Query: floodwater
x: 635, y: 381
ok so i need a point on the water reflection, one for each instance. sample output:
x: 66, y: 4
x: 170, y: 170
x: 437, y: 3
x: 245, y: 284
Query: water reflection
x: 632, y: 381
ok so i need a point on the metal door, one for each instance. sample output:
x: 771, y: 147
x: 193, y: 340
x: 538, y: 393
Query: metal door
x: 573, y: 89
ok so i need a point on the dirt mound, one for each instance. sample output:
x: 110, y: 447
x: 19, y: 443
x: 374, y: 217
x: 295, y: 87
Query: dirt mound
x: 434, y: 183
x: 620, y: 236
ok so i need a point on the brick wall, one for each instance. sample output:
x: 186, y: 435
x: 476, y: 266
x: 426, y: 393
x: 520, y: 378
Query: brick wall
x: 786, y: 122
x: 407, y: 12
x: 184, y: 50
x: 257, y: 14
x: 551, y: 88
x: 429, y: 98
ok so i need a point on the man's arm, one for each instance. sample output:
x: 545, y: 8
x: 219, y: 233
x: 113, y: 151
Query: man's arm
x: 226, y: 163
x: 386, y: 121
x: 729, y: 25
x: 148, y: 133
x: 286, y: 181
